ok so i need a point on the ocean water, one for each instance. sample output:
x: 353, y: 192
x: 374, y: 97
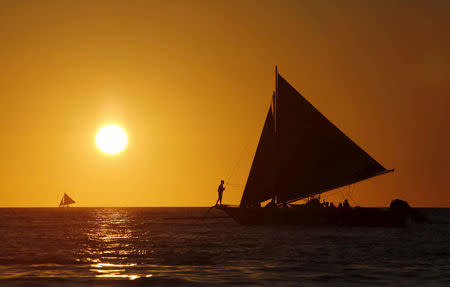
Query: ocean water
x: 151, y: 247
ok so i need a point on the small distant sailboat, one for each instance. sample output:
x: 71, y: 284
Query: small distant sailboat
x: 66, y: 201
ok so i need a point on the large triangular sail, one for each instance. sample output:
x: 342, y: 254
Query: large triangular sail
x: 260, y: 182
x: 301, y: 153
x: 66, y: 200
x: 313, y: 155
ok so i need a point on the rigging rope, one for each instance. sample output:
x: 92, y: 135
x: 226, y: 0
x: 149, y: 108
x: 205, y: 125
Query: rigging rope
x: 343, y: 193
x: 251, y: 139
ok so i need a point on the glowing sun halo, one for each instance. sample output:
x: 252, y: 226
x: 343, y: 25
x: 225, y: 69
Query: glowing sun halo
x: 111, y: 139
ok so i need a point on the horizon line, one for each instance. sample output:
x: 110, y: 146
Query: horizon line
x: 179, y: 206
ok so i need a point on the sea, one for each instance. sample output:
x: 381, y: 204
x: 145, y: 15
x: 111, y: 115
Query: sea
x: 201, y: 247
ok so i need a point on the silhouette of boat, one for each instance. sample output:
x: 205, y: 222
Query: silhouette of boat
x: 66, y: 201
x: 301, y: 155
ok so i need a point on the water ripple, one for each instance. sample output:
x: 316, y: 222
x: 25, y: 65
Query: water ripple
x: 79, y: 245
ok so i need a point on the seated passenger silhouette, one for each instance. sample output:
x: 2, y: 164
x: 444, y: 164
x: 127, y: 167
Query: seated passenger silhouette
x: 346, y: 205
x: 220, y: 191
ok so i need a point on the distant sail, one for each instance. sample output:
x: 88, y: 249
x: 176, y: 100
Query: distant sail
x: 260, y: 181
x: 66, y: 200
x: 313, y: 155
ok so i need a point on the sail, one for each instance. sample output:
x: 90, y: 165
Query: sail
x: 313, y: 155
x: 66, y: 200
x: 260, y: 182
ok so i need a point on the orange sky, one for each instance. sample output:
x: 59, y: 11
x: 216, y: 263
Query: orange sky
x: 191, y: 81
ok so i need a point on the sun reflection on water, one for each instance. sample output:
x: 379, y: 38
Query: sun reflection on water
x: 110, y: 234
x: 101, y: 265
x: 113, y: 275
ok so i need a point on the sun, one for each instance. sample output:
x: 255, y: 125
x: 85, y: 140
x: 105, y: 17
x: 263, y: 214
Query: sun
x: 111, y: 139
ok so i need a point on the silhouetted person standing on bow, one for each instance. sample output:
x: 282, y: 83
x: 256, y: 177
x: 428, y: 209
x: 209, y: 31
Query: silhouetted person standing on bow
x: 220, y: 191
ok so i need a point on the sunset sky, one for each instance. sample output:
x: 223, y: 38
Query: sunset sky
x: 190, y: 83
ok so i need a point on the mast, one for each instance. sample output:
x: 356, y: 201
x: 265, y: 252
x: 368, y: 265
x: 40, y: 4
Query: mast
x: 275, y: 146
x: 275, y: 99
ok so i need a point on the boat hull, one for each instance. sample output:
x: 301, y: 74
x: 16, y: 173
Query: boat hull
x: 315, y: 216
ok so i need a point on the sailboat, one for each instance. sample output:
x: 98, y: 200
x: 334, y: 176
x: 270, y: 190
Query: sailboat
x: 300, y: 155
x: 66, y: 201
